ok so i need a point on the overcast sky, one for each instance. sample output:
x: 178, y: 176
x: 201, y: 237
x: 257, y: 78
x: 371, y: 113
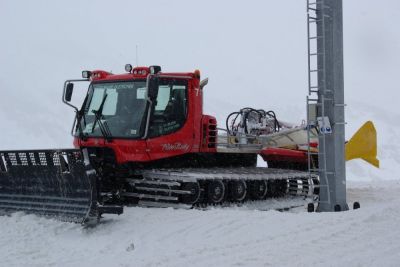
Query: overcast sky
x: 254, y: 52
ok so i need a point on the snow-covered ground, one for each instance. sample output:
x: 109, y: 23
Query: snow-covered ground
x: 255, y: 55
x: 216, y: 237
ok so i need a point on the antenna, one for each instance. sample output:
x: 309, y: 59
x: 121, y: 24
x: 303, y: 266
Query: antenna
x: 137, y: 59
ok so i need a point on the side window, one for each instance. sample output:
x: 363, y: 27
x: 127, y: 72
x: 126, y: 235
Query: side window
x: 162, y: 98
x: 170, y: 111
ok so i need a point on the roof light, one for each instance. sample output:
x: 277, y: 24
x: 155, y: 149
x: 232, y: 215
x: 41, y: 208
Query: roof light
x: 128, y: 68
x: 155, y: 69
x: 197, y: 74
x: 86, y: 74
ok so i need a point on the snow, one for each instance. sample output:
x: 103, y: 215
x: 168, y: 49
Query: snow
x: 255, y: 55
x: 216, y: 237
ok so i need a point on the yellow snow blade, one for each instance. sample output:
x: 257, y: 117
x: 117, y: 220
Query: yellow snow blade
x: 363, y: 145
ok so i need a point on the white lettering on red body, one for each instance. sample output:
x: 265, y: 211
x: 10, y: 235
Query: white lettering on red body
x: 174, y: 147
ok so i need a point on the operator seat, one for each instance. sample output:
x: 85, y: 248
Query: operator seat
x: 176, y: 107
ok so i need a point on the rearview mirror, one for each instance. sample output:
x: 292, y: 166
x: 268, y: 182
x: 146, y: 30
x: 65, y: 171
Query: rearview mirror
x: 152, y: 86
x: 68, y: 92
x: 203, y: 83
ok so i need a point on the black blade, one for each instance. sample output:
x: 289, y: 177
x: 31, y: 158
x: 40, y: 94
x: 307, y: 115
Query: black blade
x: 47, y: 182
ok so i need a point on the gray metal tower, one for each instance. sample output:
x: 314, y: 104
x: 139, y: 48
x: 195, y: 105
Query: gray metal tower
x: 326, y: 100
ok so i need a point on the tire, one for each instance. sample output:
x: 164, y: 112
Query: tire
x: 274, y: 188
x: 237, y: 190
x: 195, y: 190
x: 282, y: 187
x: 215, y: 192
x: 258, y: 190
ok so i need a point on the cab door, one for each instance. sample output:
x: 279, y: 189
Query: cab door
x: 170, y: 130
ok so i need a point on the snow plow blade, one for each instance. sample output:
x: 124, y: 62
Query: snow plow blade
x: 55, y: 183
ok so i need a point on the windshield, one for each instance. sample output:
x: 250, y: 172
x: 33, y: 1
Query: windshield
x: 120, y: 106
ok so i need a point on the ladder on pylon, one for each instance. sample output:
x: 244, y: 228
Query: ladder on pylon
x: 317, y: 89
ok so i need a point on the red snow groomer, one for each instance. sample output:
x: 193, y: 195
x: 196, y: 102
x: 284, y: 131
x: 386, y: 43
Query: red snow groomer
x: 142, y: 138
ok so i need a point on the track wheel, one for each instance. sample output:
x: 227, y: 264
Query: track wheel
x: 283, y: 187
x: 215, y: 192
x: 316, y: 186
x: 258, y: 190
x: 237, y: 190
x: 273, y: 188
x: 194, y: 195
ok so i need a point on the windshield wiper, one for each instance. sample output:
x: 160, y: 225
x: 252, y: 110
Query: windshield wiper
x: 79, y: 117
x: 105, y: 131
